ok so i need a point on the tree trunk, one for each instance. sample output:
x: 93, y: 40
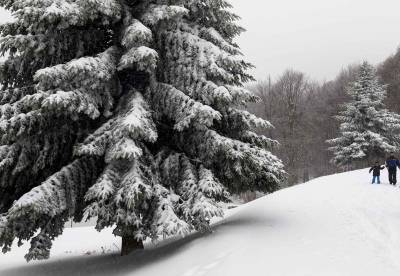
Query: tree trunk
x: 306, y: 176
x: 130, y: 244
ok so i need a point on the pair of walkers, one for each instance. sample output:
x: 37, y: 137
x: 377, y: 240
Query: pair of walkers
x: 392, y: 163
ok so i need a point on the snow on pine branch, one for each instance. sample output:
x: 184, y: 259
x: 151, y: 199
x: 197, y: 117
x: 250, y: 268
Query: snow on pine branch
x: 125, y: 191
x: 56, y: 195
x: 244, y: 120
x: 136, y: 120
x: 241, y: 95
x: 37, y: 15
x: 156, y: 13
x: 136, y: 34
x: 132, y: 121
x: 215, y: 13
x: 209, y: 58
x: 141, y: 58
x: 100, y: 197
x: 22, y: 124
x: 241, y: 162
x: 133, y: 197
x: 212, y: 35
x: 195, y: 187
x: 73, y: 102
x: 8, y: 155
x: 20, y: 42
x: 209, y: 185
x: 12, y: 95
x: 124, y: 149
x: 200, y: 190
x: 91, y: 72
x: 166, y: 223
x: 96, y: 143
x: 258, y: 140
x: 168, y: 101
x: 200, y: 69
x: 209, y: 93
x: 81, y: 86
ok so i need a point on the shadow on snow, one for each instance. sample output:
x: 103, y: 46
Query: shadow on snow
x: 113, y: 264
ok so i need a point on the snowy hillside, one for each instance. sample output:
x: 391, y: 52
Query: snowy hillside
x: 335, y: 225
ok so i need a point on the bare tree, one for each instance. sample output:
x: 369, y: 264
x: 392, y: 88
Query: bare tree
x: 265, y: 108
x: 302, y: 112
x: 389, y: 72
x: 291, y: 88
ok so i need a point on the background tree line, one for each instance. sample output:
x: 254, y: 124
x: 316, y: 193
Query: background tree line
x: 303, y: 113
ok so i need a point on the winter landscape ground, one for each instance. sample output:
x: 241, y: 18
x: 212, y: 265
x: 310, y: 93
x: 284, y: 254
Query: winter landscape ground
x: 334, y: 225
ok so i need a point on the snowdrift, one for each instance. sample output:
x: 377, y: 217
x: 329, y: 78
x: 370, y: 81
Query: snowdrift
x: 334, y: 225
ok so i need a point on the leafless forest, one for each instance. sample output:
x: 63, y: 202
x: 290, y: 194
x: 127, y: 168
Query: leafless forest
x: 303, y: 113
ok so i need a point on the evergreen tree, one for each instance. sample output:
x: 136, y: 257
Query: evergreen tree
x: 367, y: 129
x: 127, y: 111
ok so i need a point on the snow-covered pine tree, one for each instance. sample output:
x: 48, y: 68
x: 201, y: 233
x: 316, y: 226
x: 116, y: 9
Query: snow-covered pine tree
x: 127, y: 111
x: 368, y: 130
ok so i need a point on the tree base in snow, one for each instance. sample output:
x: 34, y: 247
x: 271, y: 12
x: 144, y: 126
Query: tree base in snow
x: 130, y: 244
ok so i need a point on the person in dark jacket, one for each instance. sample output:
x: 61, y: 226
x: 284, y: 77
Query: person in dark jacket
x: 376, y: 169
x: 391, y: 164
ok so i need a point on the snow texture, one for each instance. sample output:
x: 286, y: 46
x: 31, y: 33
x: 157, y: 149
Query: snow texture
x: 334, y: 225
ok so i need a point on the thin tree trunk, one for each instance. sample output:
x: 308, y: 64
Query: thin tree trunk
x: 130, y: 244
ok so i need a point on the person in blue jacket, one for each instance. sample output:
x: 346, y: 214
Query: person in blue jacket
x: 391, y: 164
x: 377, y: 172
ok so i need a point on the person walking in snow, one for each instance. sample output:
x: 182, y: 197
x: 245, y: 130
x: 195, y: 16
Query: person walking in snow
x: 392, y: 163
x: 376, y: 169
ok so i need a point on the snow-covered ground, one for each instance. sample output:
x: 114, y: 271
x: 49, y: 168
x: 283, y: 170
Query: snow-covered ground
x: 335, y: 225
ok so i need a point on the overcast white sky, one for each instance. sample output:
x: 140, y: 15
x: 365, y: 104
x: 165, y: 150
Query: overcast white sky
x: 318, y: 37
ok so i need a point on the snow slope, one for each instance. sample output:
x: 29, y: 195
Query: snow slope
x: 335, y: 225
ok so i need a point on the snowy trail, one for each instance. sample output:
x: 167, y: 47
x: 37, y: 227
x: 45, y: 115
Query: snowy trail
x: 335, y: 225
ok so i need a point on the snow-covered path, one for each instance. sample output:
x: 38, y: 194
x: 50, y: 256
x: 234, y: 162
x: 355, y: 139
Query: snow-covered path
x: 335, y: 225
